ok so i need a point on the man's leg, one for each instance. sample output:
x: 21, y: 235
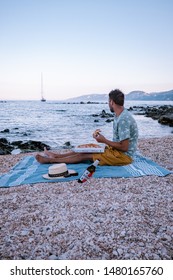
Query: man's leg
x: 58, y: 155
x: 74, y: 158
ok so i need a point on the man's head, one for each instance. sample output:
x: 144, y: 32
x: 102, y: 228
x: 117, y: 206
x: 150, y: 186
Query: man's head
x: 116, y: 96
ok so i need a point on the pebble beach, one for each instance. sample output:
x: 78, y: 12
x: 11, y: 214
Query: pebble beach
x: 123, y: 218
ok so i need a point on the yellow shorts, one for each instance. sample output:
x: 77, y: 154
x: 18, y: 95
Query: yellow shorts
x: 111, y: 156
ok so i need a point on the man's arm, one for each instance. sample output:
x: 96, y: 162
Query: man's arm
x: 121, y: 146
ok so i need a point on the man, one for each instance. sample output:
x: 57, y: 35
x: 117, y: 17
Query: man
x: 120, y: 151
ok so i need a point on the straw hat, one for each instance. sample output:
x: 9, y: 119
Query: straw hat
x: 59, y: 171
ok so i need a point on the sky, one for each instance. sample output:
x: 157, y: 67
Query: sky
x: 84, y: 47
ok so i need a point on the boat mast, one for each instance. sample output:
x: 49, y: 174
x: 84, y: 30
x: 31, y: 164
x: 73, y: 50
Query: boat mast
x: 42, y: 98
x: 41, y: 85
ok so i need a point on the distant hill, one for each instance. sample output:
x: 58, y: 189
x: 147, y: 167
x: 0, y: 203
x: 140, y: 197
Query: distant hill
x: 158, y: 96
x: 89, y: 98
x: 133, y: 95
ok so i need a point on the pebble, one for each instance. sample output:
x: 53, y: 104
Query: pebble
x: 52, y: 257
x: 107, y: 218
x: 123, y: 233
x: 120, y: 251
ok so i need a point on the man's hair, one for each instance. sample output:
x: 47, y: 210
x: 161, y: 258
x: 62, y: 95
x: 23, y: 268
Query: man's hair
x: 117, y: 96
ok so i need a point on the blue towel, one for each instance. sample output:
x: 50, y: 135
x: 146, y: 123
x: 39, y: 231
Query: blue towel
x: 29, y: 171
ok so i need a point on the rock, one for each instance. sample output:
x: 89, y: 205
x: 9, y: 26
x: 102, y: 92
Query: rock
x: 30, y: 146
x: 52, y: 257
x: 5, y: 147
x: 5, y: 131
x: 137, y: 110
x: 109, y: 120
x: 67, y: 145
x: 16, y: 152
x: 16, y: 143
x: 156, y: 112
x: 24, y: 232
x: 164, y: 114
x: 166, y: 238
x: 131, y: 109
x: 115, y: 253
x: 3, y: 141
x: 123, y: 233
x: 1, y: 152
x: 166, y: 120
x: 120, y: 251
x: 103, y: 114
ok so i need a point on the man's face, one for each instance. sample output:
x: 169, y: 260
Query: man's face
x: 111, y: 105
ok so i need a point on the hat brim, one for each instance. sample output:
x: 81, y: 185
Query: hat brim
x: 70, y: 173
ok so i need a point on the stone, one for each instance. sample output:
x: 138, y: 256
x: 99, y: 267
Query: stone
x: 5, y: 130
x: 3, y: 141
x: 166, y: 120
x: 52, y: 257
x: 164, y: 114
x: 28, y: 146
x: 5, y: 147
x: 120, y: 251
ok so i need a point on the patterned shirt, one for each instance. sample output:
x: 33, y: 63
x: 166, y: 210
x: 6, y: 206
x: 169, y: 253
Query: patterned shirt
x: 125, y: 127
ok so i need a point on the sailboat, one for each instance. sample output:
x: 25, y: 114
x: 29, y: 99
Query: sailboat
x: 42, y: 98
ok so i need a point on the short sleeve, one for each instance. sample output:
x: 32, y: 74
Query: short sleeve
x: 124, y: 129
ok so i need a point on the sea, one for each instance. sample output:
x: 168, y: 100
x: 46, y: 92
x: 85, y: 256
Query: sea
x: 56, y: 123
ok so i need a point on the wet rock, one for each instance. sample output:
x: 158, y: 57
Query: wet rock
x: 5, y: 130
x: 3, y: 141
x: 16, y: 143
x: 130, y: 109
x: 104, y: 114
x: 29, y: 146
x: 5, y: 147
x: 166, y: 120
x: 164, y: 114
x: 109, y: 120
x: 67, y: 145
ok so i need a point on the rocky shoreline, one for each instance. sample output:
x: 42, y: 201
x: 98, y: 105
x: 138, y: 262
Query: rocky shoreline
x: 16, y: 147
x: 164, y: 114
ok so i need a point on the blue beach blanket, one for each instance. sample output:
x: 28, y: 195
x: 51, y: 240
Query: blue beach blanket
x: 29, y: 171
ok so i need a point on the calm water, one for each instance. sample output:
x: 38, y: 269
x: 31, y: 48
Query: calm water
x: 55, y: 123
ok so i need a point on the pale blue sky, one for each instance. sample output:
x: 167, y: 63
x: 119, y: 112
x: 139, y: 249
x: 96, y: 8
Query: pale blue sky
x: 84, y: 46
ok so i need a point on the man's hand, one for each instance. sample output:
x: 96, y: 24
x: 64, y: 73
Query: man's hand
x: 100, y: 138
x: 96, y: 133
x: 121, y: 146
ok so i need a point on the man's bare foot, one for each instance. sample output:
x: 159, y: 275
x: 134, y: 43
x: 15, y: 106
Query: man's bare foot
x: 42, y: 159
x: 50, y: 154
x: 46, y: 152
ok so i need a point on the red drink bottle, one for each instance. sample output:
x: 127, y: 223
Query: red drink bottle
x: 88, y: 172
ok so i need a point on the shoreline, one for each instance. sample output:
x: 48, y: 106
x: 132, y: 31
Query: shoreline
x: 113, y: 218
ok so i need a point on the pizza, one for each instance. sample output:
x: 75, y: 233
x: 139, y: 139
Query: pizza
x: 90, y: 145
x: 96, y: 132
